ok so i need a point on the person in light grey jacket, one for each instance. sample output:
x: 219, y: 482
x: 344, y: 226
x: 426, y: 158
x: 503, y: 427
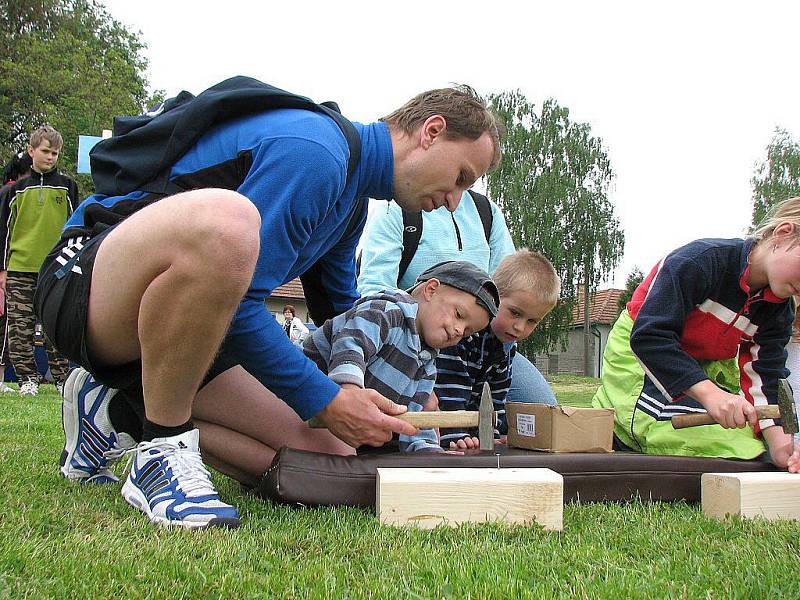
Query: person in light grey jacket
x: 445, y: 236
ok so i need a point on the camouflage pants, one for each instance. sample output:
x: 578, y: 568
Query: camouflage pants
x: 21, y: 324
x: 4, y: 359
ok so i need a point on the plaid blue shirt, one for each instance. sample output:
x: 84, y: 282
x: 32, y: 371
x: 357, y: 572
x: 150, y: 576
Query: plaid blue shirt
x: 376, y: 345
x: 463, y: 369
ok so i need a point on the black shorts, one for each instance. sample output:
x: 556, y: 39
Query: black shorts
x: 61, y: 303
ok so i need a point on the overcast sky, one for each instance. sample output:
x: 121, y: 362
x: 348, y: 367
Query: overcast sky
x: 685, y: 95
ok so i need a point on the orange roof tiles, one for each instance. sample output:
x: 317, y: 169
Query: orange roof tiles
x: 292, y: 289
x: 603, y: 307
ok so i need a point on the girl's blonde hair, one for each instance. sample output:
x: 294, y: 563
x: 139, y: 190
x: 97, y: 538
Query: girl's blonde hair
x: 785, y: 211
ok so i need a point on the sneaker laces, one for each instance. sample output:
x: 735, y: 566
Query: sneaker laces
x: 187, y: 465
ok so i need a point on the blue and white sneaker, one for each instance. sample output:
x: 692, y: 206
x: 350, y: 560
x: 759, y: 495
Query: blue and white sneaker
x: 88, y: 432
x: 169, y: 483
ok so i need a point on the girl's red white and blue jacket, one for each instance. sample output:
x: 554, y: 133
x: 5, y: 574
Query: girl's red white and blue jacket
x: 696, y: 305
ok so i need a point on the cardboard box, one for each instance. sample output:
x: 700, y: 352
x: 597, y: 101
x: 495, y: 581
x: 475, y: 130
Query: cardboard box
x: 559, y: 428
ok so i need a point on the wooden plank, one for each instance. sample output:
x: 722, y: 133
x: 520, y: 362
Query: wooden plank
x: 448, y: 496
x: 768, y: 495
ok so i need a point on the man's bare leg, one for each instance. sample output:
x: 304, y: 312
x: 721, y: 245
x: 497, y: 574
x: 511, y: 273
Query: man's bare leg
x: 243, y: 424
x: 165, y: 285
x: 226, y: 442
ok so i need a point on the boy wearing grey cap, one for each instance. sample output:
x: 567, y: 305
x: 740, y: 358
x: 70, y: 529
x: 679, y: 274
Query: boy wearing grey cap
x: 389, y: 341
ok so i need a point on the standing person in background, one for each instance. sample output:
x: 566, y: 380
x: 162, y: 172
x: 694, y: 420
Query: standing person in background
x: 30, y: 224
x: 293, y: 326
x: 18, y: 167
x: 474, y: 233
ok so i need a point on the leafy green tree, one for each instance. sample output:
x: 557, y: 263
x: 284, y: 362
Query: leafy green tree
x: 635, y: 277
x: 69, y: 64
x: 778, y: 176
x: 553, y: 188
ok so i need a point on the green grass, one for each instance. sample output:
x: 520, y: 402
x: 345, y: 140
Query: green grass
x: 574, y: 390
x: 59, y: 540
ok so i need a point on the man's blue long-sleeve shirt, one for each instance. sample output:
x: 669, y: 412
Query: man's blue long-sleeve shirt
x: 292, y: 164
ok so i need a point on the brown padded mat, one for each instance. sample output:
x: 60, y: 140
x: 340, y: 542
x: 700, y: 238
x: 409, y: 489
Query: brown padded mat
x: 307, y: 478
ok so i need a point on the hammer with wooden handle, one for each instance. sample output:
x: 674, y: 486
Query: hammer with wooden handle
x: 785, y: 409
x: 485, y: 419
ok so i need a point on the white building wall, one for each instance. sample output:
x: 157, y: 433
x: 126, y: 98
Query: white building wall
x: 571, y: 360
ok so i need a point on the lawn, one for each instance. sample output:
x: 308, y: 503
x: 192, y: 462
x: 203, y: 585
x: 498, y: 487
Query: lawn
x: 574, y: 390
x: 59, y: 540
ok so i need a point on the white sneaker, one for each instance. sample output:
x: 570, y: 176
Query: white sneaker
x: 88, y: 432
x: 30, y: 387
x: 169, y: 483
x: 5, y: 388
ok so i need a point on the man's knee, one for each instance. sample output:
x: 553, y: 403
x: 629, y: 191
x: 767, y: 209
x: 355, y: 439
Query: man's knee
x: 224, y: 225
x: 239, y: 227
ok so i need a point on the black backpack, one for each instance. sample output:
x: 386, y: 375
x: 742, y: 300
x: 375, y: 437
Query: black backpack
x: 143, y: 148
x: 412, y: 230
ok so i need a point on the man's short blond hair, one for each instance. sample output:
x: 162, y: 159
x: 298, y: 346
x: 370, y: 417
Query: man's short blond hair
x: 528, y: 271
x: 45, y: 132
x: 465, y: 112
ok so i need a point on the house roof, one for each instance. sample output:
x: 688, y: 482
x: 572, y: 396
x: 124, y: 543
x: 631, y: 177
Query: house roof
x: 292, y: 289
x: 603, y: 307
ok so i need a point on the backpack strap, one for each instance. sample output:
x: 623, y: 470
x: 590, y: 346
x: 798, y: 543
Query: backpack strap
x: 485, y: 213
x: 412, y: 234
x: 412, y: 230
x: 350, y: 135
x: 163, y: 185
x: 144, y: 148
x: 320, y: 306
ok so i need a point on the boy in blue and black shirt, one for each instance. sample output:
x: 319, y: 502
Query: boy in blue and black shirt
x: 389, y: 341
x: 529, y: 288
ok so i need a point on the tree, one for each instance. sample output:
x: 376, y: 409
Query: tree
x: 553, y: 188
x: 778, y: 176
x: 635, y: 277
x: 69, y: 64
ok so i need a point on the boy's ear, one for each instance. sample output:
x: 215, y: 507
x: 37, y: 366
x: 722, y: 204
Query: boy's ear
x: 30, y: 150
x: 429, y: 288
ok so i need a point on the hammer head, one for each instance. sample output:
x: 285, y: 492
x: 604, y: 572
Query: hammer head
x: 487, y: 419
x: 787, y: 407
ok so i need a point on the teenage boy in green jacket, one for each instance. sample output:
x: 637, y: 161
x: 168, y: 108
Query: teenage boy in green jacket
x: 30, y: 224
